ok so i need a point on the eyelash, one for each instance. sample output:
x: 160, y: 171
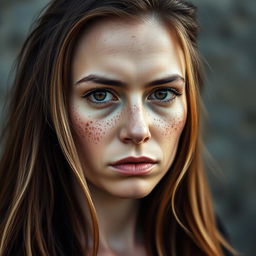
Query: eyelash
x: 166, y: 89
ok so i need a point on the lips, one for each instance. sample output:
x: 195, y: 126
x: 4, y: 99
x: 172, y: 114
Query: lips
x: 133, y: 160
x: 134, y: 165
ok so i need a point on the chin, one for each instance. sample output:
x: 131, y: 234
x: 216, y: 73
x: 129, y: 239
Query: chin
x: 135, y: 191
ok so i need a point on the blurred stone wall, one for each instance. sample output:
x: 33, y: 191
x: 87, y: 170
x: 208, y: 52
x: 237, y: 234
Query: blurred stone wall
x: 227, y: 43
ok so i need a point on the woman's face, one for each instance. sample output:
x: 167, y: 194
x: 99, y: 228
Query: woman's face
x: 127, y: 100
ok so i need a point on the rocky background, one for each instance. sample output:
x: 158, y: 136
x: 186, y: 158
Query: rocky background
x: 227, y: 43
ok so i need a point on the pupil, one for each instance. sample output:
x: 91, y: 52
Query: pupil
x: 100, y: 95
x: 161, y: 94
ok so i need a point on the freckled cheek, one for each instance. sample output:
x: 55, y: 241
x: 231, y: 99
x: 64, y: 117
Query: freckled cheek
x: 91, y: 129
x: 172, y: 126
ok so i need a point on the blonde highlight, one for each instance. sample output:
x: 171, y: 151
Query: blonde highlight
x: 185, y: 213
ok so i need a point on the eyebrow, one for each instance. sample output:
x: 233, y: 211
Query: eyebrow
x: 104, y: 80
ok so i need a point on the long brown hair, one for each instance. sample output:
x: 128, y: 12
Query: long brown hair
x: 39, y: 212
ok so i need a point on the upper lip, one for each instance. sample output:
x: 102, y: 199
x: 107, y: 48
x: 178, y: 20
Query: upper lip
x: 132, y: 159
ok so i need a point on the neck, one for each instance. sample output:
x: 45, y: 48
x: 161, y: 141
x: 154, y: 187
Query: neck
x: 116, y: 219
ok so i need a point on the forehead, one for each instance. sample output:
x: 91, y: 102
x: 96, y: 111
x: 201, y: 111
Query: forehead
x: 114, y: 33
x: 121, y: 42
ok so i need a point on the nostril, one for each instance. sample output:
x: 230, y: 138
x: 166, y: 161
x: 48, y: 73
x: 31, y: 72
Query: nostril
x: 140, y: 140
x: 146, y: 139
x: 135, y: 139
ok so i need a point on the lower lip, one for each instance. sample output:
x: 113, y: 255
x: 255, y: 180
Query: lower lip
x: 133, y: 169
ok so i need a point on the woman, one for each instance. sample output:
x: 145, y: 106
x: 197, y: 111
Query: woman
x: 102, y: 152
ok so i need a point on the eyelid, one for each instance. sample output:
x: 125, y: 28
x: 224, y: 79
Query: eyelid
x: 90, y: 92
x: 170, y: 89
x: 96, y: 90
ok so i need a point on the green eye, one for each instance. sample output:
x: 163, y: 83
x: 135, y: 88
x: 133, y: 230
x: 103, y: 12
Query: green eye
x: 161, y: 94
x: 100, y: 96
x: 164, y: 95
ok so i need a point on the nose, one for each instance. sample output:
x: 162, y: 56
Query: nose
x: 136, y: 126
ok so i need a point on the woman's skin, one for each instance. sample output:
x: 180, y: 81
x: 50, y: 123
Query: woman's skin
x: 142, y: 113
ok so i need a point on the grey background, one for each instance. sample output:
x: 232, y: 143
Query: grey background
x: 227, y: 43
